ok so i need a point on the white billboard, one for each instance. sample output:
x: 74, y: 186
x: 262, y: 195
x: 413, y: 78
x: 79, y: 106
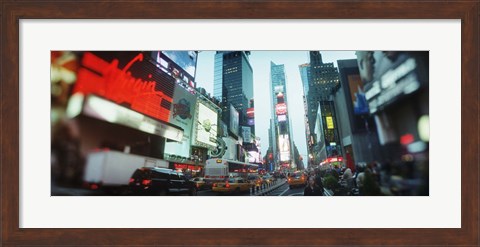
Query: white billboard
x: 284, y: 147
x: 182, y: 115
x: 205, y: 126
x: 246, y: 133
x: 234, y: 120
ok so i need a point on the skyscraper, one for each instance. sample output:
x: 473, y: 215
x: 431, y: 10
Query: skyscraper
x: 233, y: 84
x: 305, y: 76
x: 323, y: 78
x: 281, y: 123
x: 319, y: 79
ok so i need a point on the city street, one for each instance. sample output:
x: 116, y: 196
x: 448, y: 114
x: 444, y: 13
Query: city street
x: 281, y: 190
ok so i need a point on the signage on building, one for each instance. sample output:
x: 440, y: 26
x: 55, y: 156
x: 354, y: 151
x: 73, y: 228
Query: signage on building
x: 126, y: 78
x: 234, y: 120
x: 250, y: 112
x: 394, y: 75
x: 205, y: 126
x: 181, y: 114
x: 278, y: 89
x: 281, y: 109
x: 329, y: 122
x: 359, y: 101
x: 111, y: 112
x: 246, y: 133
x: 282, y: 118
x: 179, y: 64
x: 284, y: 147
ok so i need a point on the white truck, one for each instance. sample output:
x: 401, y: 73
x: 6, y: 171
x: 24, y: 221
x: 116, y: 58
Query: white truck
x: 113, y: 169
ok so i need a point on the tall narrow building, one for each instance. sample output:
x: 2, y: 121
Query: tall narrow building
x: 305, y: 76
x: 233, y: 85
x: 281, y: 131
x: 322, y: 79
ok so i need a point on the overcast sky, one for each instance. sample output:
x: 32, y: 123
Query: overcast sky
x: 260, y: 61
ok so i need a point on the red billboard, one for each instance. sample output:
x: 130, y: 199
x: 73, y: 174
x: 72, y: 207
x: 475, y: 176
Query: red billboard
x: 128, y: 79
x: 281, y: 109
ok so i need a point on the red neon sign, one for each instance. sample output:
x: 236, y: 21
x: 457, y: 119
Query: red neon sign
x: 281, y: 108
x: 109, y: 81
x: 250, y: 112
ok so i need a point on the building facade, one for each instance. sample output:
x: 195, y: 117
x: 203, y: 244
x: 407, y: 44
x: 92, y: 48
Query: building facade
x: 280, y: 124
x: 233, y: 84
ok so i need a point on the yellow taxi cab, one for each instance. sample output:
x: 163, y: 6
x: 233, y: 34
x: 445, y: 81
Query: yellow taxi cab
x: 232, y: 185
x: 199, y: 183
x: 255, y: 180
x: 297, y: 179
x: 267, y: 178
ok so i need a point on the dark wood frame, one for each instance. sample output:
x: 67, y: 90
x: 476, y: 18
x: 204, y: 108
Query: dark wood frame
x: 12, y: 11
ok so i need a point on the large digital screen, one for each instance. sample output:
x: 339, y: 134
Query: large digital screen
x: 360, y: 105
x: 100, y: 108
x: 206, y: 126
x: 128, y: 79
x: 281, y: 109
x: 178, y: 64
x: 284, y: 147
x: 246, y: 133
x: 234, y: 118
x: 390, y: 75
x: 187, y: 60
x: 282, y: 118
x: 329, y: 122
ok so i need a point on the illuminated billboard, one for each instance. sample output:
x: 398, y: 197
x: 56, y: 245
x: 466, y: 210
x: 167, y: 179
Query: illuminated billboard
x: 282, y: 118
x: 128, y: 79
x: 108, y: 111
x: 360, y: 105
x: 181, y: 114
x: 284, y: 147
x: 234, y: 120
x: 187, y: 60
x: 250, y: 112
x: 205, y: 126
x: 329, y: 122
x: 178, y: 64
x: 281, y: 109
x: 390, y: 75
x: 246, y: 133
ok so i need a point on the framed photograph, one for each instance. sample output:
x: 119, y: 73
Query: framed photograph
x: 179, y: 133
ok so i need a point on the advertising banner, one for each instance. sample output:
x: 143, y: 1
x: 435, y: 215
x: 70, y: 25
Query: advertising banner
x: 181, y: 115
x: 282, y: 118
x: 108, y: 111
x: 205, y: 126
x: 179, y: 64
x: 129, y: 79
x: 284, y: 147
x: 231, y: 152
x: 360, y: 105
x: 391, y: 75
x: 234, y: 120
x: 246, y: 133
x: 329, y: 122
x: 281, y: 109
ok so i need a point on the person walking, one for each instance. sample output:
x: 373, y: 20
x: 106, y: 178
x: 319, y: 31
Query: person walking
x: 312, y: 189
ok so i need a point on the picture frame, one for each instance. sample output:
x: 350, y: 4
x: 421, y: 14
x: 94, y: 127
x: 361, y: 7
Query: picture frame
x: 466, y: 11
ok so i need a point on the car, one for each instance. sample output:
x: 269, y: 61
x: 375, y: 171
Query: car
x: 160, y: 181
x: 200, y: 183
x: 297, y: 179
x: 255, y: 180
x: 267, y: 178
x: 232, y: 185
